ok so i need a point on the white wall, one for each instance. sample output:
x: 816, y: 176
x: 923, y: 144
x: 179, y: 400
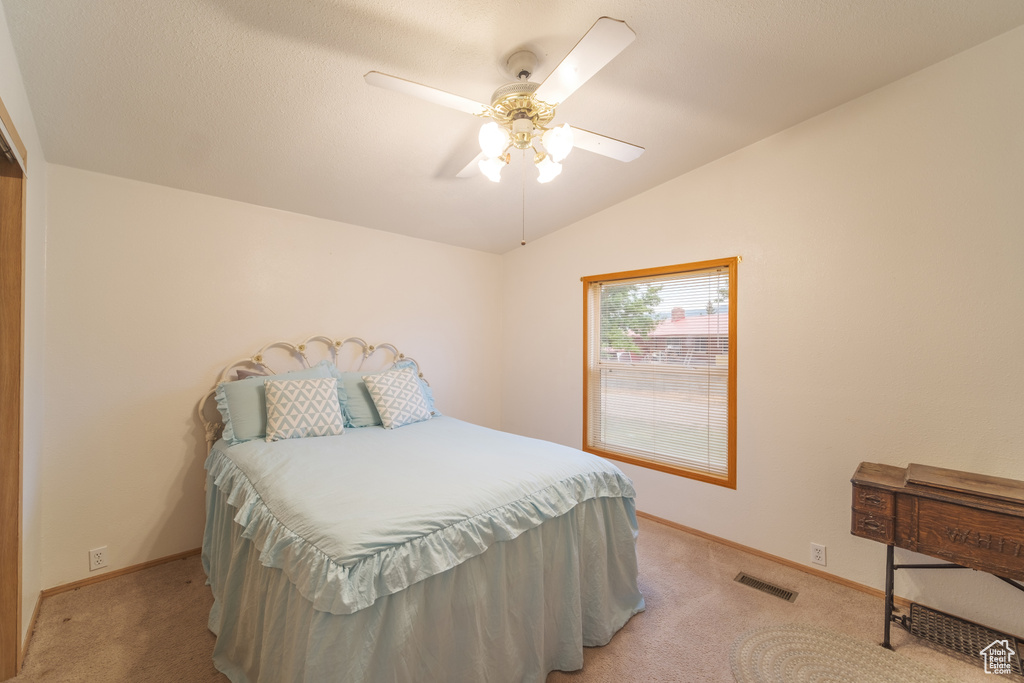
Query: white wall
x: 12, y: 91
x: 880, y: 303
x: 151, y: 291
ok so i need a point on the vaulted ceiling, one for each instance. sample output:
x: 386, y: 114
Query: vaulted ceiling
x: 263, y: 101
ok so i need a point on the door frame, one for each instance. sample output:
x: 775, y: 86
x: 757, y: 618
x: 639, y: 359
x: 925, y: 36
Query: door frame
x: 13, y: 197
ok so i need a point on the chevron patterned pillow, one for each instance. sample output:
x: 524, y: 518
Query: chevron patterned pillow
x: 298, y: 408
x: 398, y: 396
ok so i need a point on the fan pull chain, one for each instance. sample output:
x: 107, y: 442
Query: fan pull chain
x: 523, y: 177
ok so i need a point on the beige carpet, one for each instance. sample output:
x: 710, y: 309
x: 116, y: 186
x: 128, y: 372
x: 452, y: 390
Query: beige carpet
x: 800, y: 653
x: 695, y: 611
x: 151, y: 625
x: 146, y: 626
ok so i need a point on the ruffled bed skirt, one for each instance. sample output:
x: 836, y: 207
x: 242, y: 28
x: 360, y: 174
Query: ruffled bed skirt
x: 521, y: 609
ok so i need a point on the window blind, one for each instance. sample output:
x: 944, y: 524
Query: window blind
x: 660, y: 368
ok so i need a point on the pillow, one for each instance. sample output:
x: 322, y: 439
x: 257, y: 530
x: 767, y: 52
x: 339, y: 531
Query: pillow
x: 243, y: 403
x: 427, y: 391
x: 297, y: 408
x: 358, y: 408
x: 398, y: 396
x: 242, y: 373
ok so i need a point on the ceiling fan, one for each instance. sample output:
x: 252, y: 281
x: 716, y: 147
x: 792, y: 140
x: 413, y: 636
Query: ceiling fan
x: 521, y: 111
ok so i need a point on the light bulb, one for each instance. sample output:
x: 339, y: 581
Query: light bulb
x: 558, y: 142
x: 492, y: 168
x: 493, y: 139
x: 547, y: 169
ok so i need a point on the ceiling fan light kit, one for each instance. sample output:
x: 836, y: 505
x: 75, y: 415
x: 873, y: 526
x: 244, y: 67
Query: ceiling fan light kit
x: 558, y: 142
x: 491, y: 168
x: 494, y: 140
x: 520, y: 120
x: 521, y: 112
x: 546, y: 168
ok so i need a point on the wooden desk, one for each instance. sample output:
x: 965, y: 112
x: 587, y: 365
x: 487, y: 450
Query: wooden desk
x: 973, y: 521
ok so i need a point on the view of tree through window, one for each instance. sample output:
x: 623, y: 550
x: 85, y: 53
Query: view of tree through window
x: 660, y: 375
x: 629, y: 311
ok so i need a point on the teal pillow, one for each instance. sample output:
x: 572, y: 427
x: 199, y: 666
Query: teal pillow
x: 427, y: 391
x: 358, y: 408
x: 243, y: 403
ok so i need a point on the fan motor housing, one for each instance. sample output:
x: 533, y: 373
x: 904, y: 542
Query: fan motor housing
x: 521, y: 88
x: 515, y: 101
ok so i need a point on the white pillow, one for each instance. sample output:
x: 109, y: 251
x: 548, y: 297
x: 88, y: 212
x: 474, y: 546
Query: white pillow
x: 398, y: 397
x: 298, y: 408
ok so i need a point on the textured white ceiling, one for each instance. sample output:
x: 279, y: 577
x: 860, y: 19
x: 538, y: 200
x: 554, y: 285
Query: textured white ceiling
x: 263, y: 101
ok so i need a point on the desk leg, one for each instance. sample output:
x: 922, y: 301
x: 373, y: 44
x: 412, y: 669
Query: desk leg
x: 889, y: 571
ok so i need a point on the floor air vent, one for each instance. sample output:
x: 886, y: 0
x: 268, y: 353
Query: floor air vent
x: 765, y: 587
x: 959, y: 635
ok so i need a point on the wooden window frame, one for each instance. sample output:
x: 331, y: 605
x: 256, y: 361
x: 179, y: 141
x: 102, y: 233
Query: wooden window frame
x: 729, y: 481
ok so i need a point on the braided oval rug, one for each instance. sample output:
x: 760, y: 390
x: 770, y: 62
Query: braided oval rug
x: 801, y: 654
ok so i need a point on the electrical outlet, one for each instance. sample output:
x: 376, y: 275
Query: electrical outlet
x: 818, y: 554
x: 97, y: 558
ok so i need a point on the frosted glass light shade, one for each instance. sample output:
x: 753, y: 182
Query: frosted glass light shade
x: 547, y: 170
x: 492, y: 168
x: 493, y: 139
x: 558, y: 142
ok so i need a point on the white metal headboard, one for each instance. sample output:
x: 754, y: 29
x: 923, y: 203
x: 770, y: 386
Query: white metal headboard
x: 282, y: 356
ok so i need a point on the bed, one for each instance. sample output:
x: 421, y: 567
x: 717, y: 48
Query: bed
x: 430, y: 550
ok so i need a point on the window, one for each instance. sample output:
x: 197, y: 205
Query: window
x: 659, y: 385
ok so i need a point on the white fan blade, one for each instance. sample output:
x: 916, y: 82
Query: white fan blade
x: 604, y: 145
x: 424, y: 92
x: 605, y: 39
x: 472, y: 168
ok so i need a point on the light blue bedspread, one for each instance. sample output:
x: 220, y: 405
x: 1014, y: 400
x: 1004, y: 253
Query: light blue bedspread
x: 332, y: 513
